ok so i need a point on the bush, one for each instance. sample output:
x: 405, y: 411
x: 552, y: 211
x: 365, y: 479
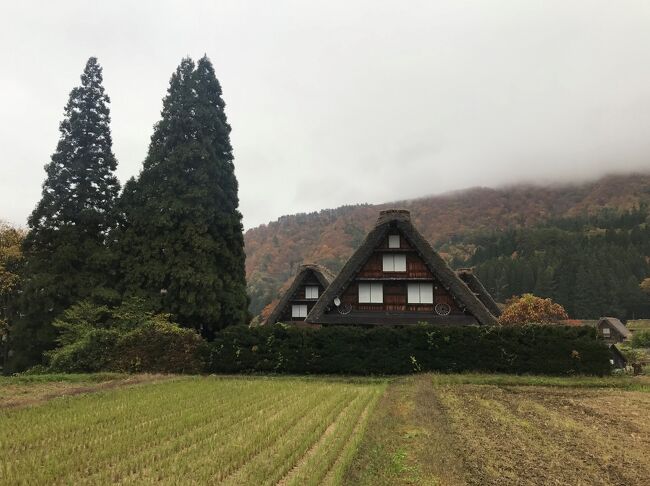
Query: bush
x: 641, y: 339
x: 128, y: 338
x: 555, y: 350
x: 161, y: 348
x: 529, y: 309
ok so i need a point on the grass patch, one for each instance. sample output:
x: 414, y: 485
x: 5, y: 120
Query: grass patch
x: 638, y: 324
x: 408, y: 440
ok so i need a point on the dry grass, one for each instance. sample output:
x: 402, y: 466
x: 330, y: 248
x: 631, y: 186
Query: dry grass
x: 203, y: 430
x: 447, y: 429
x: 539, y: 435
x: 32, y: 390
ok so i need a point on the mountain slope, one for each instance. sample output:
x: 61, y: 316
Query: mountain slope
x: 330, y: 236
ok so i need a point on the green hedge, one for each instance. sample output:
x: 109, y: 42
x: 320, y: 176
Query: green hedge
x: 553, y: 350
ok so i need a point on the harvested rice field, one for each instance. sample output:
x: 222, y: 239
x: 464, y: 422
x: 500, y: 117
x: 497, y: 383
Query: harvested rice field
x: 423, y: 429
x: 508, y: 430
x: 191, y: 430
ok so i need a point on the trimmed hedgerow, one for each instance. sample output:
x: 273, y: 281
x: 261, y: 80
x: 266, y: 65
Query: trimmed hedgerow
x: 553, y: 350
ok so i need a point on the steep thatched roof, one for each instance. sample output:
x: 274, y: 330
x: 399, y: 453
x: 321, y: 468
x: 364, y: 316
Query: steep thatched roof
x: 475, y: 285
x: 324, y: 276
x: 616, y: 324
x: 400, y: 220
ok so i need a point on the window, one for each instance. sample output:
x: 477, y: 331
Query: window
x: 371, y: 293
x: 606, y: 331
x: 311, y: 292
x: 299, y: 310
x: 420, y: 293
x: 393, y: 241
x: 394, y: 263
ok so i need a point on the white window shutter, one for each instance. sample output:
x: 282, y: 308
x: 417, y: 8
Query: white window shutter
x: 377, y: 293
x: 364, y: 293
x: 399, y: 263
x: 311, y: 292
x: 299, y: 310
x: 389, y: 263
x: 393, y: 241
x: 413, y: 293
x: 426, y: 293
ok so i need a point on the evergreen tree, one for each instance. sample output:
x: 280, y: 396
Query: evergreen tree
x: 545, y: 283
x: 66, y: 258
x: 181, y: 241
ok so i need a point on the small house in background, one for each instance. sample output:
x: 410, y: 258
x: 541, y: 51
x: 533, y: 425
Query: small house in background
x: 396, y: 278
x: 612, y: 330
x: 308, y: 285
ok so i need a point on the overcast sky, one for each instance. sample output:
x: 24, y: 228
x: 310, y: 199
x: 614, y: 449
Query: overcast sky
x: 337, y: 102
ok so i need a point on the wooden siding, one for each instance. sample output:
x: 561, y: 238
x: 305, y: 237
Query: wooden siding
x: 395, y: 284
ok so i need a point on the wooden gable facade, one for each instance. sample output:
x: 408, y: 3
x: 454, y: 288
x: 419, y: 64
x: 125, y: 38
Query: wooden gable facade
x: 396, y: 278
x: 612, y: 330
x: 308, y: 285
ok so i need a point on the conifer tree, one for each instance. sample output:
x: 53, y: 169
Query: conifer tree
x: 181, y: 241
x: 66, y: 258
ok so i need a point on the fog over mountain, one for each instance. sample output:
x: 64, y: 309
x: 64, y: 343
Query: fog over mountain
x: 337, y: 103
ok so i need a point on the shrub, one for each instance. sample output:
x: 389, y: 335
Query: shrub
x: 128, y: 338
x: 161, y: 348
x: 641, y: 339
x: 557, y: 350
x: 529, y: 309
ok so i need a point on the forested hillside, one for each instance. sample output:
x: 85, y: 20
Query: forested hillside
x: 592, y: 265
x: 456, y: 224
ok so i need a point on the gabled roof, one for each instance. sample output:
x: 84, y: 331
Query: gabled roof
x: 324, y: 276
x: 475, y: 285
x: 616, y: 324
x: 400, y: 220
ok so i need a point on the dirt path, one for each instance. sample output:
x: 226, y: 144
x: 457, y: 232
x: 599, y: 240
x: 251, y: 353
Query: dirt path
x: 26, y: 394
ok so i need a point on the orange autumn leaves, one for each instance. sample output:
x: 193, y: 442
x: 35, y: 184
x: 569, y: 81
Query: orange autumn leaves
x: 531, y: 309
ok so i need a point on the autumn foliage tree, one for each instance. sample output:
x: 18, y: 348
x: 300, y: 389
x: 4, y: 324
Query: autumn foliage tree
x: 531, y: 309
x: 11, y: 258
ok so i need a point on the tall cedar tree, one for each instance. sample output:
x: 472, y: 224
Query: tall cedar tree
x: 181, y: 242
x: 66, y: 258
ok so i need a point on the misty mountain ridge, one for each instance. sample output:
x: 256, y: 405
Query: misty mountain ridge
x: 329, y: 236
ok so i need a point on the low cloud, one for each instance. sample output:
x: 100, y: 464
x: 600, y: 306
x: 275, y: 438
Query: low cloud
x: 334, y: 103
